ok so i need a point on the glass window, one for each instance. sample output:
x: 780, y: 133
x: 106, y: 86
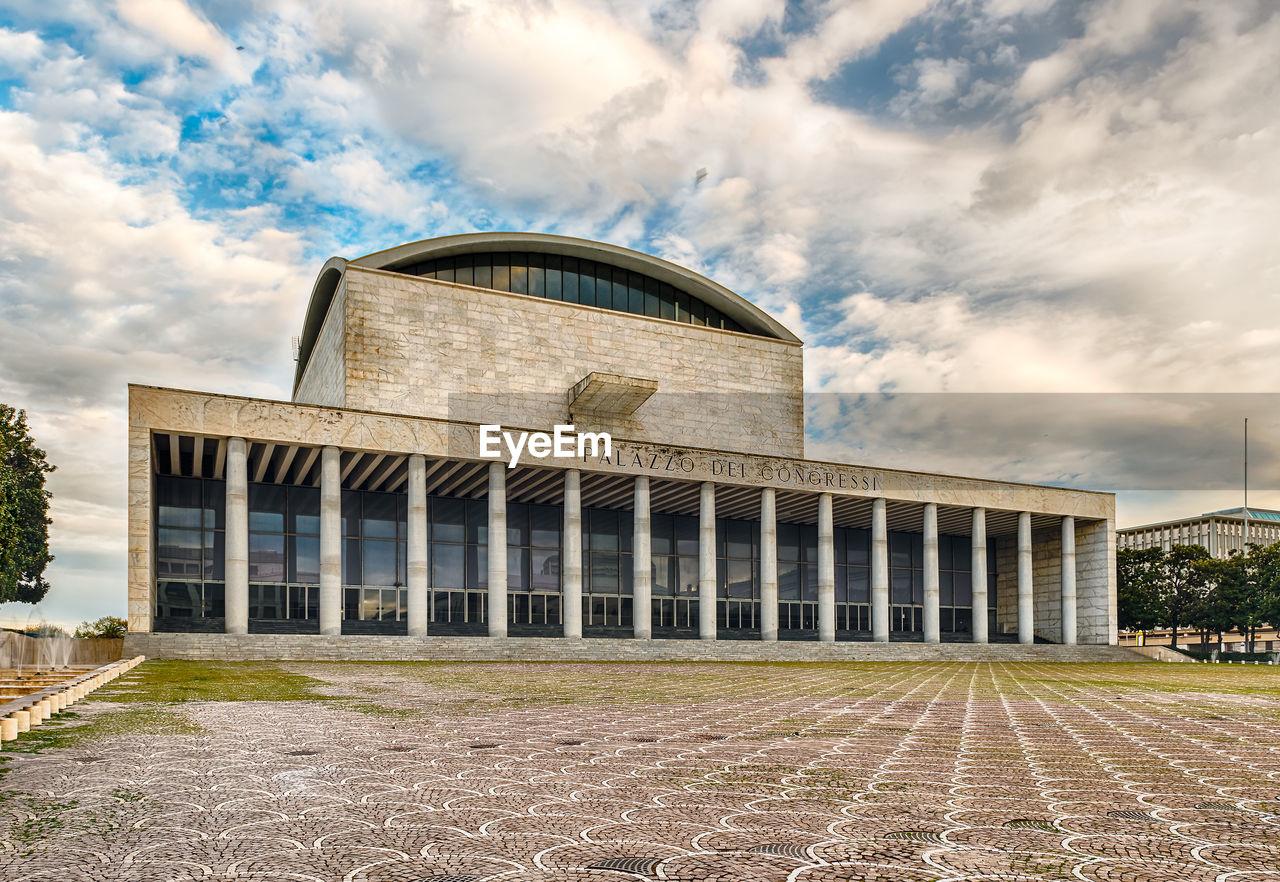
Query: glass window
x: 545, y: 523
x: 660, y: 541
x: 788, y: 580
x: 517, y: 523
x: 464, y: 271
x: 380, y: 515
x: 555, y: 289
x: 635, y: 293
x: 215, y: 504
x: 483, y: 272
x: 571, y: 284
x: 214, y: 599
x: 545, y: 569
x: 304, y: 510
x: 859, y: 585
x: 537, y: 276
x: 501, y: 273
x: 900, y: 550
x: 518, y: 569
x: 900, y: 585
x: 304, y: 559
x: 789, y: 542
x: 587, y: 283
x: 448, y: 520
x: 266, y: 507
x: 651, y: 307
x: 379, y: 562
x: 519, y: 275
x: 620, y: 293
x: 350, y: 512
x: 447, y: 566
x: 179, y: 552
x: 686, y: 532
x: 738, y: 539
x: 858, y: 547
x: 266, y: 557
x: 444, y: 269
x: 351, y: 571
x: 604, y: 573
x: 215, y: 555
x: 666, y: 302
x: 178, y: 600
x: 688, y: 571
x: 661, y: 577
x: 741, y: 581
x: 603, y: 534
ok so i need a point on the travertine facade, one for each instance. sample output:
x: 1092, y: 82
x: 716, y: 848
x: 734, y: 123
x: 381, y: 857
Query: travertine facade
x: 702, y: 394
x: 422, y: 347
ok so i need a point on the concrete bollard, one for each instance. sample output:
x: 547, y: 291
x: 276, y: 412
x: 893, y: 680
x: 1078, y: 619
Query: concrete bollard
x: 8, y: 729
x: 46, y: 708
x: 24, y: 720
x: 37, y: 715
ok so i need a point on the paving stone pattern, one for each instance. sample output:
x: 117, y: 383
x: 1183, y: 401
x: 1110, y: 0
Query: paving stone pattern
x: 890, y: 771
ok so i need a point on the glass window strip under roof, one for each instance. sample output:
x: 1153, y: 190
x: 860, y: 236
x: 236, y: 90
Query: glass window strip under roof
x: 574, y: 280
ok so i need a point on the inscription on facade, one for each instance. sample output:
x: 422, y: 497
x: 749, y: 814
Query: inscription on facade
x: 747, y: 471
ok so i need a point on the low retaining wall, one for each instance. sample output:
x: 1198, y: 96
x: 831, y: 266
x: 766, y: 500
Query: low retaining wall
x: 309, y: 647
x: 84, y: 650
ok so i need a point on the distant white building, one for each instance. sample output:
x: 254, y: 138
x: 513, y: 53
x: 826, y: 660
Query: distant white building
x: 1220, y: 532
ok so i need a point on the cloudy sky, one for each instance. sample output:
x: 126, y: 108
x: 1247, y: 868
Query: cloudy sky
x: 1047, y: 230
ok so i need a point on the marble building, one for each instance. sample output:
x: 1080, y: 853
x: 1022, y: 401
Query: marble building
x: 364, y: 505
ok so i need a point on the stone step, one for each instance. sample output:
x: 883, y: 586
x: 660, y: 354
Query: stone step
x: 303, y: 647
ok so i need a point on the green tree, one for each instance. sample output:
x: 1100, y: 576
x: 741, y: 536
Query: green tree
x: 107, y: 626
x: 24, y: 511
x: 1138, y: 573
x: 1183, y: 583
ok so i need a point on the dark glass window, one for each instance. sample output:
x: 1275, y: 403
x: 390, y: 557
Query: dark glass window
x: 574, y: 281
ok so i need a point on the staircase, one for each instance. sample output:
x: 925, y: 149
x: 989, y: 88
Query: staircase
x: 357, y: 647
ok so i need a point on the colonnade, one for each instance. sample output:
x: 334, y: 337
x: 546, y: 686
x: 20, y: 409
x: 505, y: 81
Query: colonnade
x: 237, y: 559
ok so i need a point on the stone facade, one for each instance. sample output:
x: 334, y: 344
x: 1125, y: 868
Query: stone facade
x: 422, y: 347
x: 1095, y: 582
x: 325, y: 380
x: 397, y: 374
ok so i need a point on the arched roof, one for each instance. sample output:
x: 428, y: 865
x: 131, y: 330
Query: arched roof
x: 746, y: 314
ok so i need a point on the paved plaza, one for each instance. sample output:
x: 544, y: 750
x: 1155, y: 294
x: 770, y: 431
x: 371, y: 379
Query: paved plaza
x: 886, y: 771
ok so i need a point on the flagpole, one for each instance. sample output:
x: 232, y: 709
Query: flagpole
x: 1244, y: 540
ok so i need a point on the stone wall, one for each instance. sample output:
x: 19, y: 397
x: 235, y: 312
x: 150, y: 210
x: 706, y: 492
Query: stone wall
x: 423, y: 347
x: 325, y: 380
x: 1096, y: 616
x: 1095, y: 578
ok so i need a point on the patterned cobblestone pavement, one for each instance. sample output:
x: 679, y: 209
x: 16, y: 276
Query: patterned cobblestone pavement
x: 674, y: 771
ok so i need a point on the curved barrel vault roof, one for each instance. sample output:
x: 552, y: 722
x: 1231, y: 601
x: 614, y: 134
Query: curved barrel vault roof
x: 745, y: 313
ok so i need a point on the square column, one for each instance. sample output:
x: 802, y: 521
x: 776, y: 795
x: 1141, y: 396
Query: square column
x: 978, y: 574
x: 707, y: 562
x: 571, y: 554
x: 642, y: 563
x: 826, y: 571
x: 236, y: 563
x: 417, y: 550
x: 879, y: 571
x: 932, y: 627
x: 768, y: 565
x: 330, y: 541
x: 497, y: 549
x: 1026, y: 596
x: 1069, y: 580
